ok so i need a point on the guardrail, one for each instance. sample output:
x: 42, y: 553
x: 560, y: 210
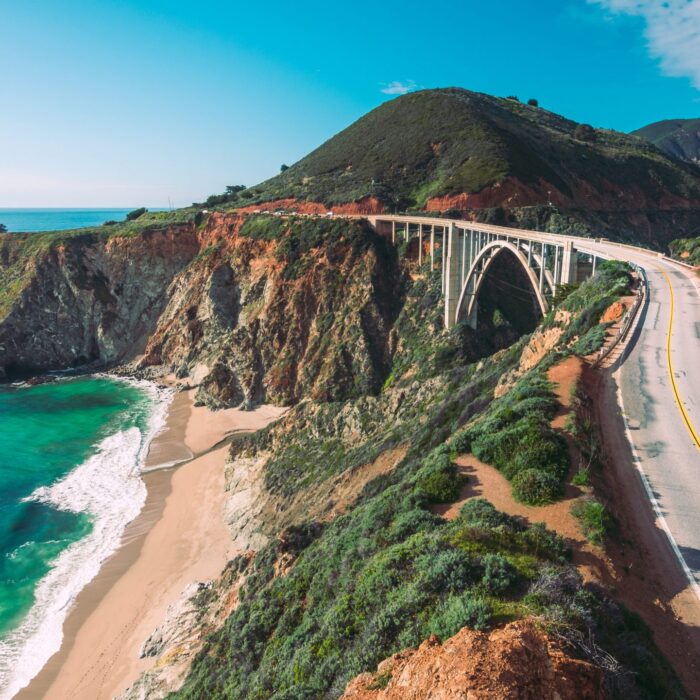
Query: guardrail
x: 629, y: 318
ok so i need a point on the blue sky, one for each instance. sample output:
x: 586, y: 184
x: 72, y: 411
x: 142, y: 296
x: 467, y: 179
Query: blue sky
x: 126, y: 102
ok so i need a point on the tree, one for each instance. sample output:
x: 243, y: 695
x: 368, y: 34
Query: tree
x: 133, y: 215
x: 533, y: 102
x: 234, y: 189
x: 283, y: 167
x: 584, y: 132
x: 515, y: 98
x: 3, y: 228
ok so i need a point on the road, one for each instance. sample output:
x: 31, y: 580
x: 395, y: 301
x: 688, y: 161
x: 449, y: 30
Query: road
x: 659, y: 389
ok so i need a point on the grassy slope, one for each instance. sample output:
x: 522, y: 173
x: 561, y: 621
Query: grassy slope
x: 691, y: 246
x: 679, y: 138
x: 387, y: 573
x: 447, y: 141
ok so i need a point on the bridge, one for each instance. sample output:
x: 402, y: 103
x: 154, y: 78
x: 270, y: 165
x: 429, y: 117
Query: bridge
x: 650, y: 413
x: 466, y: 250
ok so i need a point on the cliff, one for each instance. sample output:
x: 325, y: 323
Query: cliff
x: 347, y: 562
x: 278, y: 312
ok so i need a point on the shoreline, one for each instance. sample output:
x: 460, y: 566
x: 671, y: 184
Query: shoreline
x: 169, y: 545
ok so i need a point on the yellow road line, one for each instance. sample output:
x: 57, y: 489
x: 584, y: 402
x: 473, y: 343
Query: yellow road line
x: 669, y: 361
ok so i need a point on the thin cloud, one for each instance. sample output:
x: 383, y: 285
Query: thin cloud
x: 396, y: 87
x: 672, y: 32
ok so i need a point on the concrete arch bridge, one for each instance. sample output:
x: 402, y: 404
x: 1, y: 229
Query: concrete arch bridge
x: 466, y: 251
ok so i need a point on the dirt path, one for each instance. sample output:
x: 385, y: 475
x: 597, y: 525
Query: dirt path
x: 638, y: 566
x: 487, y: 482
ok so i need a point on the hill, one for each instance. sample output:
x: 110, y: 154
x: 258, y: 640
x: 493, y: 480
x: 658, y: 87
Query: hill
x: 679, y: 138
x: 496, y: 160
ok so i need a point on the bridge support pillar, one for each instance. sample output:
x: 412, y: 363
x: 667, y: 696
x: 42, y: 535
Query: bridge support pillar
x: 452, y: 276
x: 568, y: 264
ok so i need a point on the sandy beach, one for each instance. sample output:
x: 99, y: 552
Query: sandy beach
x: 179, y: 537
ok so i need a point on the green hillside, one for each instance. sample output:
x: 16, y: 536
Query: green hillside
x: 679, y: 138
x: 451, y: 141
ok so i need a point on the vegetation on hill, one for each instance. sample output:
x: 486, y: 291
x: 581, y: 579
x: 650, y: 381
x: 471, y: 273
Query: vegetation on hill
x: 330, y: 598
x: 687, y: 250
x: 679, y: 138
x: 444, y: 142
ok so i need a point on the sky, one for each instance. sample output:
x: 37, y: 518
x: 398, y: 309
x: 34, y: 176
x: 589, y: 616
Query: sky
x: 122, y: 103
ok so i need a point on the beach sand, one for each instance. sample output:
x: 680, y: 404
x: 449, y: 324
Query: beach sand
x: 179, y: 537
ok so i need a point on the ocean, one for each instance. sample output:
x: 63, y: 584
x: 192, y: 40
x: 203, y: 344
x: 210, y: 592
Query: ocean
x: 26, y: 220
x: 70, y: 458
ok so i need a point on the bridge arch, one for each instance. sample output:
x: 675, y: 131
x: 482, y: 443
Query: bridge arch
x: 473, y: 282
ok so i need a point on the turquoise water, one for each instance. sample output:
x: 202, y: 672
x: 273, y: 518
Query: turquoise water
x: 23, y: 220
x: 69, y: 453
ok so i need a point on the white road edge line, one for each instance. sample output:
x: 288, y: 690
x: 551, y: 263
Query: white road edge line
x: 650, y: 494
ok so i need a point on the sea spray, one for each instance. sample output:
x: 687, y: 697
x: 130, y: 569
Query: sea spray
x: 108, y: 489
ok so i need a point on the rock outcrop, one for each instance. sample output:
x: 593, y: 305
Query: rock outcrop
x: 273, y: 316
x: 516, y: 661
x: 89, y: 299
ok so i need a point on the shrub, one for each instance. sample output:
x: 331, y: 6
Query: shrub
x: 439, y: 479
x: 136, y: 213
x: 412, y: 521
x: 541, y: 542
x: 452, y: 570
x: 581, y: 478
x: 499, y: 575
x: 479, y: 511
x: 594, y: 518
x: 3, y: 228
x: 584, y: 132
x: 533, y: 102
x: 535, y: 487
x: 460, y: 611
x: 283, y: 167
x: 461, y: 442
x: 528, y: 443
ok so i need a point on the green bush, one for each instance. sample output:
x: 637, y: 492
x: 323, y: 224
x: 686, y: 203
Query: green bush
x: 439, y: 479
x: 499, y: 575
x: 594, y: 518
x: 479, y: 511
x: 456, y: 612
x: 535, y: 487
x: 136, y: 213
x: 528, y: 443
x: 451, y: 571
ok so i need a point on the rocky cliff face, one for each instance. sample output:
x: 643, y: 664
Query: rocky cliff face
x: 517, y: 661
x: 269, y: 314
x: 276, y: 311
x: 85, y: 298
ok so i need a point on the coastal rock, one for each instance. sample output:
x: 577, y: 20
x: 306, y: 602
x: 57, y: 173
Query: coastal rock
x: 266, y: 322
x: 200, y: 608
x: 516, y: 661
x: 88, y: 300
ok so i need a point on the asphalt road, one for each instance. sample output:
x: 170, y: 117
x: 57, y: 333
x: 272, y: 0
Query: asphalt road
x: 659, y: 387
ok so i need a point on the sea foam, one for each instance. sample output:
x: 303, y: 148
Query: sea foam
x: 108, y: 487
